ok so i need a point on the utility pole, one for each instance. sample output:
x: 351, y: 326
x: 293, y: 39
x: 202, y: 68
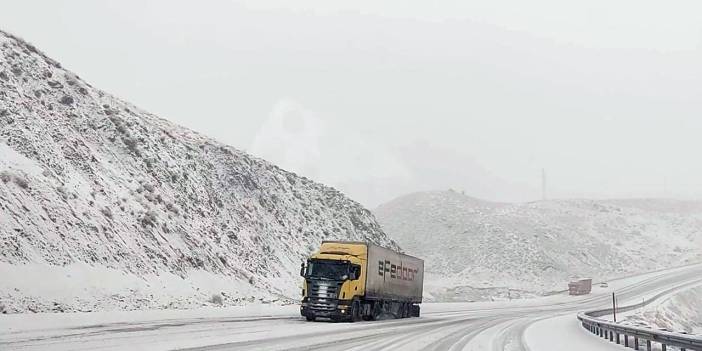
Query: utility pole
x: 614, y: 307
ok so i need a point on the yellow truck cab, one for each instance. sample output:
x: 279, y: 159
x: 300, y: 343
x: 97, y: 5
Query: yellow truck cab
x: 356, y: 280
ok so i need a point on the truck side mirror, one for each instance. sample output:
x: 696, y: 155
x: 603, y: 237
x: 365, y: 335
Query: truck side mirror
x: 355, y: 273
x: 302, y: 269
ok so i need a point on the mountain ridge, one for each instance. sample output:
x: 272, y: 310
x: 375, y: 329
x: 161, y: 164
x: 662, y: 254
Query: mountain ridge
x: 536, y: 247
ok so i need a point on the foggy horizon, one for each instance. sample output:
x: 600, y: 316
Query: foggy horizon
x: 469, y: 97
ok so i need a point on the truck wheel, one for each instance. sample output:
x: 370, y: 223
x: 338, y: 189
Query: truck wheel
x: 377, y: 311
x: 415, y: 311
x: 356, y: 311
x: 367, y: 314
x: 310, y: 318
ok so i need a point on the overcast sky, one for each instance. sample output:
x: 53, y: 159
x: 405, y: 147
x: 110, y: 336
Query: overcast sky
x: 382, y: 98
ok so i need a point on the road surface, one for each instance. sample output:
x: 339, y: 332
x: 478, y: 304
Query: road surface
x: 492, y: 326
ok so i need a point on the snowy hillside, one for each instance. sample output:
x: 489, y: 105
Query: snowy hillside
x: 477, y: 250
x: 681, y: 312
x: 103, y: 205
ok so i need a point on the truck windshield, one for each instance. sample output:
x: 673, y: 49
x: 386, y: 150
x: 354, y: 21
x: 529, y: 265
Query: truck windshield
x: 327, y: 269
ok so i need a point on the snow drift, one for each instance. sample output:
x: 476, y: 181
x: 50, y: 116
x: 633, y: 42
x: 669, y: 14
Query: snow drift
x: 103, y: 205
x: 476, y: 250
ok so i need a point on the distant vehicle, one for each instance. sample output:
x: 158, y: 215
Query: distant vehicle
x: 350, y: 281
x: 580, y: 287
x: 604, y: 285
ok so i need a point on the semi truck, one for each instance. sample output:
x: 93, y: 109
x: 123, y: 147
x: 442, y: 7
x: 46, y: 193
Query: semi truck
x: 580, y: 286
x: 352, y: 281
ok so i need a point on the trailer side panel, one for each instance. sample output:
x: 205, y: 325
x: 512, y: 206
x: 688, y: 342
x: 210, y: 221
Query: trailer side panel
x: 393, y: 276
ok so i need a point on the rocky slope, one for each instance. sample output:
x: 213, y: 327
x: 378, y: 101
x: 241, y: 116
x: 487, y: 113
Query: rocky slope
x: 476, y: 249
x: 103, y: 205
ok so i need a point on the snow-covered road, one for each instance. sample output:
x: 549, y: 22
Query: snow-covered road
x: 536, y: 324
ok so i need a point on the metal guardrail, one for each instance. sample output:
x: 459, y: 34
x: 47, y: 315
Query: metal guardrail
x: 631, y: 336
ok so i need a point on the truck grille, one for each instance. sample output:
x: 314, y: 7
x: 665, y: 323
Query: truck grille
x: 323, y: 295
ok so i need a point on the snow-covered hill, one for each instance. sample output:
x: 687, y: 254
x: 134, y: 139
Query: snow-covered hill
x: 681, y: 312
x: 475, y: 249
x: 103, y: 205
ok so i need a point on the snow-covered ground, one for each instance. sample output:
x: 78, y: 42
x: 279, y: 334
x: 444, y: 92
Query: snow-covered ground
x: 477, y: 250
x: 519, y: 325
x: 564, y: 333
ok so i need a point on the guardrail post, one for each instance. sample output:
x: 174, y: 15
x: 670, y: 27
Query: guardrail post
x: 648, y: 345
x: 636, y: 343
x: 611, y: 336
x: 664, y: 347
x: 617, y: 339
x: 626, y: 340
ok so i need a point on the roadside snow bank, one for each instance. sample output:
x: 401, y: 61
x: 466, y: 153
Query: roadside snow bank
x: 80, y: 287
